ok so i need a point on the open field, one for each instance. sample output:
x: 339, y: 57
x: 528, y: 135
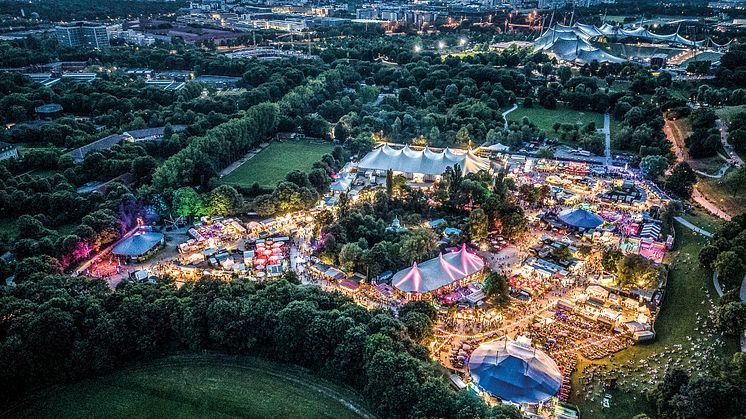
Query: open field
x: 274, y: 162
x: 702, y: 218
x: 689, y: 296
x: 719, y: 192
x: 727, y: 112
x: 195, y: 386
x: 545, y: 118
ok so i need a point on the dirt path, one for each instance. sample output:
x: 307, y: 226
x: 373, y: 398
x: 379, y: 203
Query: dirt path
x: 681, y: 155
x: 236, y: 164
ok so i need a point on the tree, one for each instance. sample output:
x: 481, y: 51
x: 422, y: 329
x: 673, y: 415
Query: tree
x: 36, y: 267
x: 681, y: 180
x: 420, y: 244
x: 419, y: 326
x: 224, y: 200
x: 478, y: 225
x: 291, y: 276
x: 424, y: 307
x: 187, y: 202
x: 463, y: 137
x: 390, y: 182
x: 545, y: 153
x: 672, y: 383
x: 653, y: 166
x: 730, y: 318
x: 496, y: 289
x: 707, y: 256
x: 635, y: 271
x: 350, y: 255
x: 610, y: 259
x: 730, y: 268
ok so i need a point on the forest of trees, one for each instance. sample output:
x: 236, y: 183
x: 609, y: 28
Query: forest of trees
x: 56, y: 329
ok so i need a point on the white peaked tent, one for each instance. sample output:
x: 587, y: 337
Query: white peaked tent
x: 422, y: 162
x: 438, y: 272
x: 515, y: 372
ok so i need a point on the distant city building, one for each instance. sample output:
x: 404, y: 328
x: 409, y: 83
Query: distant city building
x: 8, y: 151
x: 551, y: 4
x: 78, y: 34
x: 367, y: 13
x: 728, y: 4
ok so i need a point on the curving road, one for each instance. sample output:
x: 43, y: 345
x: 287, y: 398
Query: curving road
x: 505, y: 114
x: 734, y: 158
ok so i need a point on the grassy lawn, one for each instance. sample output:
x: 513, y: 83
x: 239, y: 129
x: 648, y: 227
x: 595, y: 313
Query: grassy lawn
x: 689, y: 297
x: 727, y: 112
x: 718, y: 191
x: 197, y: 386
x: 702, y: 218
x: 545, y: 118
x: 274, y: 162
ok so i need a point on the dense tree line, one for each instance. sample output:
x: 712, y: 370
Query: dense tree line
x: 87, y: 330
x: 205, y: 156
x: 726, y: 252
x: 718, y: 393
x: 705, y: 138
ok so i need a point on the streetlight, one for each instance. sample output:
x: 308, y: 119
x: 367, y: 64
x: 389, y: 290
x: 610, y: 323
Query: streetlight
x: 417, y: 48
x: 462, y: 41
x: 441, y: 44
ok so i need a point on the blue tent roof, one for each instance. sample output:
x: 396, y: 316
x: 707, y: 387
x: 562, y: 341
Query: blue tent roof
x: 514, y: 372
x: 581, y: 218
x: 137, y: 245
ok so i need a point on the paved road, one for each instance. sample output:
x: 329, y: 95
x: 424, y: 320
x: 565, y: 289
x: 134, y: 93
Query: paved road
x: 505, y: 114
x: 735, y: 159
x: 692, y: 227
x: 721, y: 172
x: 607, y: 134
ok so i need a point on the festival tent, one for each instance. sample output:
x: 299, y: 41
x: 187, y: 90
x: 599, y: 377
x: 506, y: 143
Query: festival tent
x: 438, y: 272
x: 138, y: 244
x: 425, y: 162
x: 581, y: 218
x: 515, y: 372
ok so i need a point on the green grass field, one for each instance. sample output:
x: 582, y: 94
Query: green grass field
x: 274, y: 162
x: 727, y: 112
x: 545, y: 118
x: 197, y: 386
x: 720, y: 193
x: 689, y: 287
x: 702, y: 218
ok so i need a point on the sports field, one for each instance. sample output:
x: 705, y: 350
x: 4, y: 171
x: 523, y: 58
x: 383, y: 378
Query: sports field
x: 198, y: 386
x: 689, y: 297
x: 545, y: 118
x: 274, y: 162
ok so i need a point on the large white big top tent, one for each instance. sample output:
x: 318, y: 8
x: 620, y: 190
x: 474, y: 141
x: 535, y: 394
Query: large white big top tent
x: 515, y: 372
x: 426, y: 163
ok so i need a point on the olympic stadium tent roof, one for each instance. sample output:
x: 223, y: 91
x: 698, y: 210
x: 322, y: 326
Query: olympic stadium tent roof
x: 426, y: 161
x: 137, y: 245
x: 437, y: 272
x: 514, y: 372
x: 571, y: 43
x: 580, y: 218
